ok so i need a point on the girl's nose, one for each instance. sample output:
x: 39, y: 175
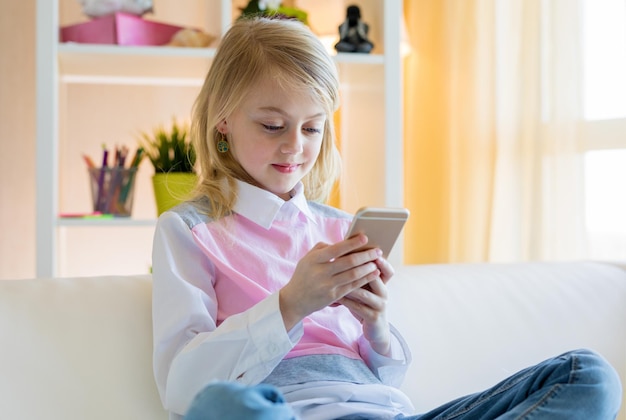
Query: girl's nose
x: 292, y: 142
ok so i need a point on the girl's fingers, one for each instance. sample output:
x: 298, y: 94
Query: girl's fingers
x: 345, y: 248
x: 378, y: 288
x: 357, y: 258
x: 369, y: 294
x: 330, y: 272
x: 386, y: 269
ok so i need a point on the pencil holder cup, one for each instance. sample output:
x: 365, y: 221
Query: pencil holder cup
x: 112, y: 190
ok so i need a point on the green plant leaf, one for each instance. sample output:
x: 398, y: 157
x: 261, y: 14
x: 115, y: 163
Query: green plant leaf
x: 169, y: 150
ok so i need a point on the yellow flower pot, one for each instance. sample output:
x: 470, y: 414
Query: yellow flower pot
x: 172, y: 188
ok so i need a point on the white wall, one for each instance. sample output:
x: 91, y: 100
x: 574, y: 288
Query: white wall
x: 17, y: 138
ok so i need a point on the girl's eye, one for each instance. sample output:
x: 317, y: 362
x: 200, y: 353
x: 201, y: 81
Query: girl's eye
x: 270, y: 127
x: 313, y: 130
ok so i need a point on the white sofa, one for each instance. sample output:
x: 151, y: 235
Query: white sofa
x: 80, y: 348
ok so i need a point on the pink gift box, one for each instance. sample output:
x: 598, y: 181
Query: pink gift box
x: 119, y: 28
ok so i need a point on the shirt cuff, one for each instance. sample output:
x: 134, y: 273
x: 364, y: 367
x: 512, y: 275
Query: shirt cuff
x: 389, y: 369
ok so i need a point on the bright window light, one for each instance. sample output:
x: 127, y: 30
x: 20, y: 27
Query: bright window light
x: 605, y: 203
x: 604, y: 49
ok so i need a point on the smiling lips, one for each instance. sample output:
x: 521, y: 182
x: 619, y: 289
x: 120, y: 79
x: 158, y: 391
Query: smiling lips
x: 286, y: 168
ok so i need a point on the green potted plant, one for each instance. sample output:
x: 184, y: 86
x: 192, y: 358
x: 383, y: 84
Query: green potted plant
x: 273, y: 8
x: 173, y: 158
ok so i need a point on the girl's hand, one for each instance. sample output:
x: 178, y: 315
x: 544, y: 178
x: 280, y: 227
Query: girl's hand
x: 369, y: 304
x: 325, y: 275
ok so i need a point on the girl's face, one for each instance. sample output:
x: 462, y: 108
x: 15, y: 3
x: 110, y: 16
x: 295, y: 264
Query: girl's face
x: 276, y: 135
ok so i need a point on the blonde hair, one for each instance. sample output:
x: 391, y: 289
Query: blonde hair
x: 252, y: 49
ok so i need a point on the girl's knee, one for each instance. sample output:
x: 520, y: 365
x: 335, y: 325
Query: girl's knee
x: 593, y: 369
x: 596, y: 367
x: 222, y: 400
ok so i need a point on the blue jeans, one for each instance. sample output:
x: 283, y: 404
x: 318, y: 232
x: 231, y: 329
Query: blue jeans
x: 576, y: 385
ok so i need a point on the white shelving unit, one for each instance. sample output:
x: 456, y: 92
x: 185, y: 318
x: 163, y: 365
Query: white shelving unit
x: 93, y: 94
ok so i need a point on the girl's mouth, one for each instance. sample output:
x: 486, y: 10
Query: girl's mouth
x: 285, y: 168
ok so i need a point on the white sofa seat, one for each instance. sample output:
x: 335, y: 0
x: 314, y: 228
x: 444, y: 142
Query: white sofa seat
x: 80, y: 348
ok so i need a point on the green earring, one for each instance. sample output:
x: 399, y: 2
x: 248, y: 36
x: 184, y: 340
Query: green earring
x: 222, y: 144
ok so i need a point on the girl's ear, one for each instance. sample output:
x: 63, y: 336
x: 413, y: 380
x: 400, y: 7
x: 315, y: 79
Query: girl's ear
x: 222, y: 127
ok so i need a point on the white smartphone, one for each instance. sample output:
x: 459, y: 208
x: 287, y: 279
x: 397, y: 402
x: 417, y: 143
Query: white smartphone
x: 382, y: 226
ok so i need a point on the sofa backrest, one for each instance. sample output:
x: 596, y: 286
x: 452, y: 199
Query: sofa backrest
x: 471, y: 325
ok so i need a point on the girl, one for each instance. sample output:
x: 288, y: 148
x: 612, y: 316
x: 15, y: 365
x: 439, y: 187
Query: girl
x: 258, y: 305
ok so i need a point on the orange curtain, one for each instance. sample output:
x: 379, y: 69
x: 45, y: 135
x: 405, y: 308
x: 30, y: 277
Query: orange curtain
x: 335, y: 196
x: 424, y: 129
x: 449, y: 147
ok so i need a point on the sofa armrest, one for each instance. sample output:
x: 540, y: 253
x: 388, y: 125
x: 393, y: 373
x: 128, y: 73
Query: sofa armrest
x: 77, y: 349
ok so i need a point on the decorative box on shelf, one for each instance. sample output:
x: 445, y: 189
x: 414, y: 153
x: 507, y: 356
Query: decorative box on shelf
x: 121, y: 29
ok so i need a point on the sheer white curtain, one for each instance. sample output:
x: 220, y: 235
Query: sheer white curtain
x: 538, y: 188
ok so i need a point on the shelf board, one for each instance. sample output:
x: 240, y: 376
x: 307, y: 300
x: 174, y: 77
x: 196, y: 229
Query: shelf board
x: 116, y: 221
x: 87, y: 63
x: 150, y: 65
x: 359, y: 58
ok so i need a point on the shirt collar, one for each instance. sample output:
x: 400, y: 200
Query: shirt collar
x: 262, y: 207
